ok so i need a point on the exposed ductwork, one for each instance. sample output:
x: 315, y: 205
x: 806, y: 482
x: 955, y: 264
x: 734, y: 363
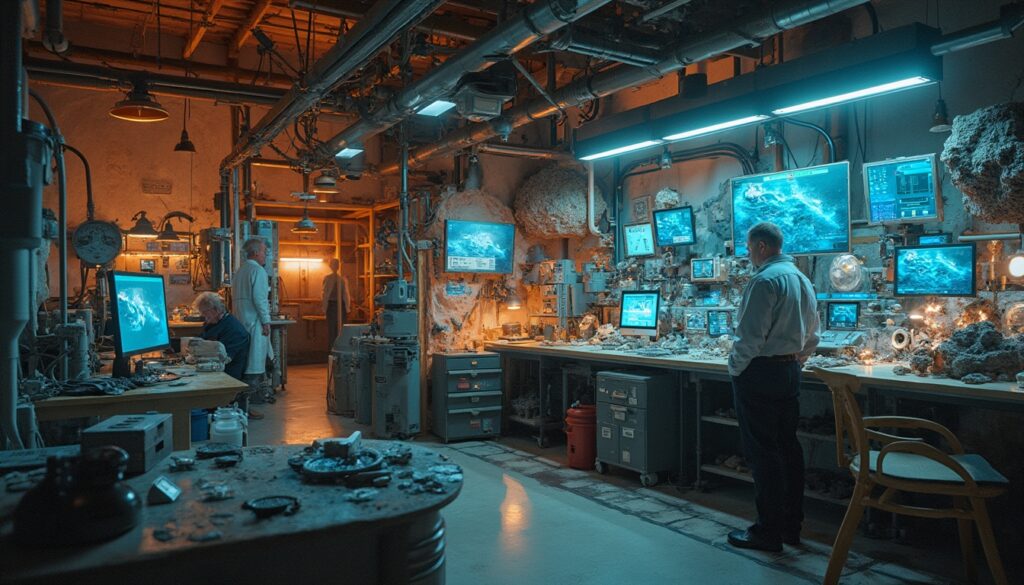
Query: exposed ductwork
x: 588, y: 43
x: 768, y: 21
x: 385, y: 20
x: 510, y: 37
x: 445, y: 26
x: 523, y: 152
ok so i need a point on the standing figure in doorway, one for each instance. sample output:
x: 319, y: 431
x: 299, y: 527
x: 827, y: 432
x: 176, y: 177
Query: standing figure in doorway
x: 336, y: 301
x: 251, y: 305
x: 777, y: 331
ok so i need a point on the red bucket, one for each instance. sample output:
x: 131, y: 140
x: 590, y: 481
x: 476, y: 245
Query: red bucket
x: 581, y: 436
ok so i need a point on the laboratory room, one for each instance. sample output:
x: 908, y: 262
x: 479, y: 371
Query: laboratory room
x: 485, y: 291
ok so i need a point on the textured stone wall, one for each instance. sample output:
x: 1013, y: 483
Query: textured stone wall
x: 552, y: 203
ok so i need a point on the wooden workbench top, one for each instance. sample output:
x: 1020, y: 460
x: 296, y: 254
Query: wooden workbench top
x: 202, y: 383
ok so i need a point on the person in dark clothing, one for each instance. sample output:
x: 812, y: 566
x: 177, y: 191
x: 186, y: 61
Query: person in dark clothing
x: 220, y: 325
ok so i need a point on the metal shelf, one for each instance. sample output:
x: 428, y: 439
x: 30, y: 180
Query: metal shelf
x: 731, y: 422
x: 733, y: 474
x: 536, y: 422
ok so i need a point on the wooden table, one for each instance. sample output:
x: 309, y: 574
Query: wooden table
x: 395, y: 537
x: 204, y: 390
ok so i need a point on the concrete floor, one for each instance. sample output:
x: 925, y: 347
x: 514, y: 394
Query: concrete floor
x: 523, y: 517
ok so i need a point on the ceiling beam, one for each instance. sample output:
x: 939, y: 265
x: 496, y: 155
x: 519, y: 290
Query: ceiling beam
x: 207, y: 22
x: 244, y: 30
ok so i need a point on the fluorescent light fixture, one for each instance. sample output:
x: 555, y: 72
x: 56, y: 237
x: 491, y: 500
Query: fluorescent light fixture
x: 621, y: 150
x: 349, y: 152
x: 854, y: 95
x: 715, y: 127
x: 299, y: 259
x: 436, y: 108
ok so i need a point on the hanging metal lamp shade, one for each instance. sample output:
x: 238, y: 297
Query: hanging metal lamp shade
x: 139, y: 106
x: 143, y: 228
x: 304, y: 225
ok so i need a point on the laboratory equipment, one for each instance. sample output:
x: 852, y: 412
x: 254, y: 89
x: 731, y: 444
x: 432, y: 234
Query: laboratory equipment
x: 639, y: 238
x: 841, y: 320
x: 639, y: 313
x: 674, y: 227
x: 847, y: 273
x: 97, y: 242
x: 811, y: 206
x: 903, y: 190
x: 395, y: 362
x: 479, y: 246
x: 719, y: 323
x: 146, y: 438
x: 343, y: 379
x: 139, y: 313
x: 707, y: 270
x: 938, y: 270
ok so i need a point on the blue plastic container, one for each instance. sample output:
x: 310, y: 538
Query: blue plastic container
x: 200, y: 425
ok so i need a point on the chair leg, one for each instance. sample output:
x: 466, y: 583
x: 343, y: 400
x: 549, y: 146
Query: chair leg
x: 841, y: 548
x: 966, y: 528
x: 988, y: 541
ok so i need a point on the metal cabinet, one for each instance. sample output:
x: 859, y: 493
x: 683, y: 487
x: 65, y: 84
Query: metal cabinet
x: 466, y: 396
x: 637, y: 426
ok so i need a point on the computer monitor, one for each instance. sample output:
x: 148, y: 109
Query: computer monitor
x: 903, y: 190
x: 706, y: 270
x: 674, y: 227
x: 696, y: 320
x: 811, y: 206
x: 479, y: 246
x: 639, y: 313
x: 719, y: 323
x: 930, y: 239
x: 842, y: 316
x: 639, y: 239
x: 937, y: 270
x: 139, y: 313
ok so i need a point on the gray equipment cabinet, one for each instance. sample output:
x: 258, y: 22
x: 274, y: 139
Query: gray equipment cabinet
x: 466, y: 396
x: 637, y: 426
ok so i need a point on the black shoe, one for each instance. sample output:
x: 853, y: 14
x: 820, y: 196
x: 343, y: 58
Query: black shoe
x: 751, y: 540
x: 791, y: 538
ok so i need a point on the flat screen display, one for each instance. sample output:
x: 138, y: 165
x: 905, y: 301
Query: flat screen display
x: 639, y: 312
x: 696, y: 320
x: 938, y: 270
x: 479, y: 246
x: 903, y: 190
x: 639, y: 239
x: 718, y: 323
x: 811, y: 206
x: 702, y: 269
x: 674, y: 227
x: 927, y: 239
x: 842, y: 316
x: 139, y: 312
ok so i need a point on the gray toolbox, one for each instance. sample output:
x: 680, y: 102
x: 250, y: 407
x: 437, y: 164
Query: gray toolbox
x: 466, y: 395
x: 146, y: 437
x: 637, y: 423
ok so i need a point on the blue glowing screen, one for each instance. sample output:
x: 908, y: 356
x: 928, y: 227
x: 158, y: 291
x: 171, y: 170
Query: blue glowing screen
x: 934, y: 270
x: 639, y: 309
x: 674, y: 226
x: 479, y: 246
x: 141, y: 312
x: 842, y: 315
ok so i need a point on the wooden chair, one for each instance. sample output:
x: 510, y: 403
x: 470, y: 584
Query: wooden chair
x: 910, y: 465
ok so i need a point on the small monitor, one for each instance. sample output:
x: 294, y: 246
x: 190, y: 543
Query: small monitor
x: 479, y: 246
x: 639, y: 238
x: 705, y: 270
x: 931, y: 239
x: 139, y: 311
x: 719, y: 323
x: 811, y: 206
x: 674, y: 227
x: 903, y: 190
x: 842, y: 316
x: 696, y: 320
x: 709, y: 298
x: 147, y: 265
x: 639, y: 313
x: 937, y: 270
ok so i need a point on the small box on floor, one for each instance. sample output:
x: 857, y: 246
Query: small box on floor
x: 146, y: 438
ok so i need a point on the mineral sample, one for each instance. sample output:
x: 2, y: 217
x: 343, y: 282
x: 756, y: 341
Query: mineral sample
x: 901, y: 370
x: 985, y: 157
x: 552, y: 203
x: 979, y: 348
x: 920, y: 361
x: 975, y: 379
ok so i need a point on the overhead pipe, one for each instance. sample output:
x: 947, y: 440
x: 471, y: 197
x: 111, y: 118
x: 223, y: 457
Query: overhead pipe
x: 591, y: 200
x: 1011, y: 18
x: 769, y: 20
x: 385, y: 20
x: 522, y: 151
x: 430, y: 25
x: 587, y: 43
x: 510, y: 37
x: 53, y: 37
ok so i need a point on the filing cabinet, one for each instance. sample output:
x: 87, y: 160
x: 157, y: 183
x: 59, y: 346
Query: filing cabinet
x: 637, y: 423
x: 466, y: 396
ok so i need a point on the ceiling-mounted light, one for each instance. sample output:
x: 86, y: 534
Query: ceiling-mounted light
x: 666, y: 159
x: 856, y: 94
x: 940, y: 119
x: 474, y: 173
x: 143, y: 228
x: 700, y: 131
x: 326, y: 182
x: 305, y: 225
x: 436, y: 108
x: 185, y: 144
x: 139, y: 105
x: 350, y: 151
x: 622, y: 149
x: 167, y: 233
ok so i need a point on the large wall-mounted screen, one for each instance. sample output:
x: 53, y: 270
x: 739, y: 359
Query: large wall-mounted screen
x: 903, y: 190
x: 944, y: 271
x: 479, y: 246
x: 674, y: 227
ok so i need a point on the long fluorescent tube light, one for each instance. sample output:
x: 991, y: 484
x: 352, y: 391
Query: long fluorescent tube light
x: 349, y: 152
x: 854, y: 95
x: 621, y: 149
x: 715, y: 127
x: 436, y: 108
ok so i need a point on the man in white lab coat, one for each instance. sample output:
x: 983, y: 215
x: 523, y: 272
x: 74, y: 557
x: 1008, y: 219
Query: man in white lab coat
x: 251, y: 305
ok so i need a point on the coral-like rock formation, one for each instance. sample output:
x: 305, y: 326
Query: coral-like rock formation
x: 980, y: 348
x: 985, y: 157
x: 553, y: 203
x: 667, y: 198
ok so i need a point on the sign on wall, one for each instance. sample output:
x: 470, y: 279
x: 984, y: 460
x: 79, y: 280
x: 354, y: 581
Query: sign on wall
x: 157, y: 186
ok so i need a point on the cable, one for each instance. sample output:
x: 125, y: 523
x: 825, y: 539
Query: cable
x: 819, y: 130
x: 90, y: 206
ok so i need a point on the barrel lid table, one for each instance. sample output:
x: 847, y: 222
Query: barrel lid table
x: 390, y: 534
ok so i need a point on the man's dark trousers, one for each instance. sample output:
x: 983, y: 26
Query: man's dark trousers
x: 767, y: 404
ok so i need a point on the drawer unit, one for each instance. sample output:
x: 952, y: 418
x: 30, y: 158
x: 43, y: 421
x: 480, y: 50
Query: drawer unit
x: 637, y: 423
x: 466, y: 395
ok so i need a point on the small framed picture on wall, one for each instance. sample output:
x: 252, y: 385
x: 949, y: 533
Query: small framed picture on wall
x: 642, y: 208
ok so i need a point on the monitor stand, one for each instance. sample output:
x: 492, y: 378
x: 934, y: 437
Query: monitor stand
x: 122, y: 367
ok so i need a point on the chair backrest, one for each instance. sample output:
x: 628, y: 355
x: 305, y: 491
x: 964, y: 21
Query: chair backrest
x: 848, y: 417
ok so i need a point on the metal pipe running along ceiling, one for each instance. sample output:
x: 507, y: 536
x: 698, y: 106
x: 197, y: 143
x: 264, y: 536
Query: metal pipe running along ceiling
x: 768, y: 21
x: 385, y: 20
x: 506, y: 39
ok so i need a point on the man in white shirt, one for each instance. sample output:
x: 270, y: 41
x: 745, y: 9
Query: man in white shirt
x: 251, y: 305
x: 336, y: 301
x: 777, y: 330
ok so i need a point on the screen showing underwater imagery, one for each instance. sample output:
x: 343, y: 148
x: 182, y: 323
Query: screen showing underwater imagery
x: 702, y: 269
x: 945, y: 271
x: 842, y: 315
x: 639, y: 310
x: 141, y: 312
x: 811, y: 206
x: 479, y: 246
x: 674, y: 226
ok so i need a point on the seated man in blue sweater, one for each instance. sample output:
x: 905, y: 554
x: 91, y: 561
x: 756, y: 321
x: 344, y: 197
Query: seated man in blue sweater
x: 220, y: 325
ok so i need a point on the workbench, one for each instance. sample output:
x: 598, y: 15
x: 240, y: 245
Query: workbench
x: 395, y: 536
x: 203, y: 390
x: 278, y: 340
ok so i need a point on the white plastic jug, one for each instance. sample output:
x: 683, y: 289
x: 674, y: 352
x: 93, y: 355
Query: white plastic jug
x: 230, y: 425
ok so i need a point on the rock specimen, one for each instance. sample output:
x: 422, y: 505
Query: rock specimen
x: 980, y: 348
x: 985, y: 157
x: 553, y: 203
x: 975, y: 379
x: 667, y: 198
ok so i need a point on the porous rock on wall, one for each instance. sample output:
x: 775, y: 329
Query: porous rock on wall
x: 552, y: 203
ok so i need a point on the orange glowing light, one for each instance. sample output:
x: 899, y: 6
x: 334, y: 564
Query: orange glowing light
x: 515, y: 514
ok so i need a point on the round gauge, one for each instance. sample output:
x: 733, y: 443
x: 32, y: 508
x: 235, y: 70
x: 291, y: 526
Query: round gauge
x: 97, y: 242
